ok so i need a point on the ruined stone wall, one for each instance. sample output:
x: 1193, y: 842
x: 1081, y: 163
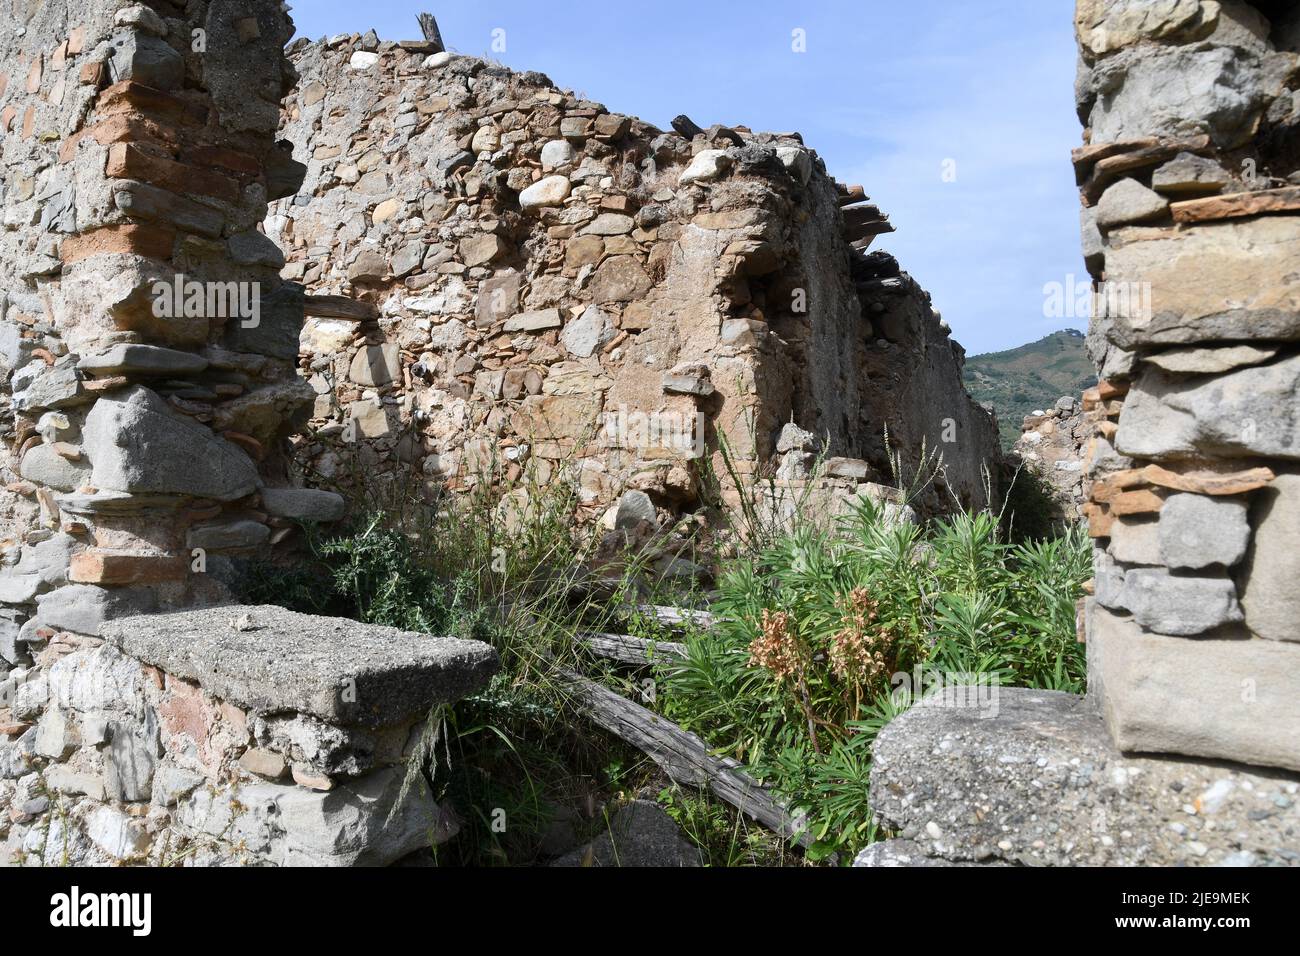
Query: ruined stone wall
x: 1191, y: 189
x: 145, y: 430
x: 538, y: 278
x: 1052, y: 445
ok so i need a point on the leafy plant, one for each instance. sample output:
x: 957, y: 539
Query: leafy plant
x: 817, y: 627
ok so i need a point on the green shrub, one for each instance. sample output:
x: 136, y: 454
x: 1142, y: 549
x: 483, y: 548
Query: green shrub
x: 801, y: 670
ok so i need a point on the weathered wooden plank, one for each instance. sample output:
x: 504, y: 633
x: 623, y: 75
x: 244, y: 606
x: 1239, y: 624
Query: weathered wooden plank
x: 631, y: 650
x: 684, y: 757
x: 432, y: 35
x: 339, y: 307
x: 676, y: 616
x: 686, y: 126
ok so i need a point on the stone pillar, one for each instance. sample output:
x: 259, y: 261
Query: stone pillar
x: 1190, y: 182
x: 150, y: 339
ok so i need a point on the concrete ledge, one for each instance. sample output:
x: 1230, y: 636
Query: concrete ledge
x: 1031, y: 777
x: 891, y: 854
x: 270, y: 660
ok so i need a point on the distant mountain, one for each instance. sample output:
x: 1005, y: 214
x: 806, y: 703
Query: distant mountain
x: 1020, y: 381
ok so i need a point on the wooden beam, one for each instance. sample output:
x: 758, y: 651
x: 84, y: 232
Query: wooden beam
x: 677, y: 616
x: 686, y: 126
x: 429, y: 27
x: 339, y: 307
x: 684, y: 757
x: 631, y: 650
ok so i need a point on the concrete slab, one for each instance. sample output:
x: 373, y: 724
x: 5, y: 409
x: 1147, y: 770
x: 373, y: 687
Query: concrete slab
x: 272, y: 660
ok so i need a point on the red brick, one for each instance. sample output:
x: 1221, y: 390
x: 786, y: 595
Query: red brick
x: 128, y: 161
x: 127, y: 95
x: 34, y: 74
x: 29, y: 121
x: 69, y: 147
x: 106, y: 567
x: 7, y: 118
x: 141, y: 239
x: 122, y: 128
x: 93, y: 74
x: 230, y: 159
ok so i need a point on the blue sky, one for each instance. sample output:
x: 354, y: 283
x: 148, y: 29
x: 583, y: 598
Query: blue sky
x: 887, y: 92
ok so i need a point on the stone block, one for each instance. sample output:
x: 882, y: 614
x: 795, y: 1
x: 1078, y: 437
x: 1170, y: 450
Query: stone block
x: 1224, y: 281
x: 137, y: 359
x: 1197, y: 531
x: 136, y: 444
x: 83, y: 608
x: 1231, y: 699
x: 1271, y: 576
x: 1232, y: 416
x: 1128, y: 201
x: 303, y: 504
x: 231, y: 536
x: 376, y: 365
x: 1178, y: 605
x: 366, y: 823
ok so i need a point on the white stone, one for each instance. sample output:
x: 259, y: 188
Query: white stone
x: 486, y: 140
x: 361, y: 60
x: 796, y: 161
x: 116, y: 834
x: 583, y: 335
x: 707, y: 164
x: 550, y: 191
x: 1129, y: 201
x: 557, y: 154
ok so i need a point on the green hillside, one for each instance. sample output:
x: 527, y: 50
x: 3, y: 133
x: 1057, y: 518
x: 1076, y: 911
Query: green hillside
x: 1034, y: 376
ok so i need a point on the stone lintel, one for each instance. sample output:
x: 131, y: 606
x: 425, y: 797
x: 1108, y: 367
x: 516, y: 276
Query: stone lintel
x: 272, y: 660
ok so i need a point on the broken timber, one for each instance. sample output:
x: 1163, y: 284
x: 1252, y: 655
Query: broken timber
x: 676, y: 617
x: 684, y: 757
x: 339, y: 307
x: 432, y: 35
x: 631, y: 650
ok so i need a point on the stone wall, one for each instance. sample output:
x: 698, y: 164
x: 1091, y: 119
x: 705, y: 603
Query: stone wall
x: 149, y: 347
x: 231, y: 735
x: 145, y: 425
x: 1052, y: 445
x: 506, y: 277
x: 1191, y: 189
